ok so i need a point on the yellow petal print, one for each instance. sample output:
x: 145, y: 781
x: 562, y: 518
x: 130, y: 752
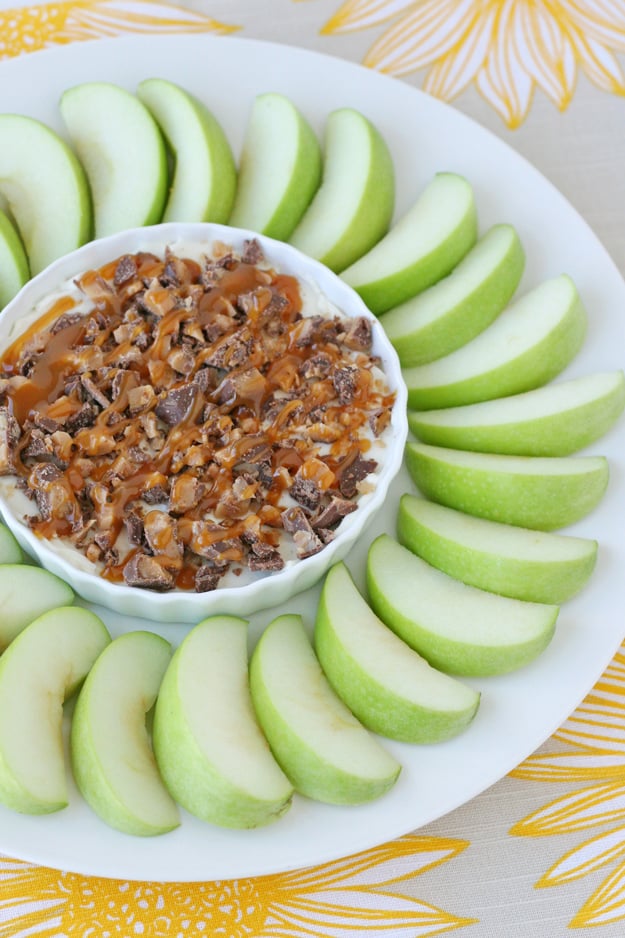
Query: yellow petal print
x: 506, y: 48
x: 585, y: 859
x: 29, y: 29
x: 595, y: 739
x: 361, y: 14
x: 606, y: 905
x: 334, y: 900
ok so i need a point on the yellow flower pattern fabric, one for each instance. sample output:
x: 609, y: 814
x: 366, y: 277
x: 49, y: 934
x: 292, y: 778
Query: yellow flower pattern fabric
x: 505, y: 48
x: 32, y: 28
x: 358, y: 895
x: 594, y: 758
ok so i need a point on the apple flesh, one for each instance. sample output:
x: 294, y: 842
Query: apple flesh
x: 537, y: 492
x: 204, y: 176
x: 421, y: 248
x: 457, y: 628
x: 460, y: 306
x: 389, y: 687
x: 279, y: 171
x: 123, y: 152
x: 555, y: 420
x: 528, y: 344
x: 353, y: 207
x: 14, y: 270
x: 322, y: 748
x: 10, y: 550
x: 26, y: 592
x: 45, y: 189
x: 112, y: 757
x: 41, y: 668
x: 211, y: 753
x: 535, y: 566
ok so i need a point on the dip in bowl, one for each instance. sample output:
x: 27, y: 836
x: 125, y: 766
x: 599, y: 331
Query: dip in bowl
x: 193, y: 419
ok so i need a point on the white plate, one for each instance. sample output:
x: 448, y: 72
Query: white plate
x: 518, y: 711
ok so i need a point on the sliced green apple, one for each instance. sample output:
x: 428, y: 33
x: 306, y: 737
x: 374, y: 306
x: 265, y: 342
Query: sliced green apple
x: 14, y: 270
x: 122, y: 151
x: 26, y: 592
x: 421, y: 248
x: 554, y: 420
x: 322, y: 748
x: 530, y: 491
x: 389, y: 687
x: 456, y: 309
x: 212, y: 756
x: 10, y: 550
x: 280, y: 168
x: 204, y: 175
x: 353, y: 207
x: 536, y: 566
x: 45, y: 189
x: 43, y: 667
x: 457, y: 628
x: 112, y: 757
x: 528, y: 344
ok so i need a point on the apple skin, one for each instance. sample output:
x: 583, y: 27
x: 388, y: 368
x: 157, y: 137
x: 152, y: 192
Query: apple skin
x: 456, y: 309
x: 46, y: 190
x: 26, y: 592
x: 205, y: 176
x: 14, y: 270
x: 457, y: 628
x: 555, y: 420
x: 537, y: 492
x: 123, y: 153
x: 389, y: 687
x: 319, y: 744
x: 527, y: 345
x: 279, y: 169
x: 41, y: 668
x: 210, y: 751
x: 536, y: 566
x: 423, y: 246
x: 112, y: 758
x: 353, y: 207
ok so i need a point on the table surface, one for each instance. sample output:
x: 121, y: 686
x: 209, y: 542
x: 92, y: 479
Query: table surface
x: 543, y: 850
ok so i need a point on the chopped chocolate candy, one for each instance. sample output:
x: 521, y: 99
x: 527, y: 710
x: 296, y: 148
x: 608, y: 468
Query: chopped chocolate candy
x: 193, y: 421
x: 355, y: 473
x: 175, y: 406
x: 148, y: 573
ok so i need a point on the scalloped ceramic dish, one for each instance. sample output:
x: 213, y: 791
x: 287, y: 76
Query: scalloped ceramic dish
x: 270, y: 589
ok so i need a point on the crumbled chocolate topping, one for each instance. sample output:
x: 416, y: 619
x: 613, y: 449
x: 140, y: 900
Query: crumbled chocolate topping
x: 186, y: 420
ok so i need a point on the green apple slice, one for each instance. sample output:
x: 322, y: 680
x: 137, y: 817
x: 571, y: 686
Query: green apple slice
x: 528, y: 344
x: 212, y: 756
x: 554, y: 420
x: 540, y: 492
x: 43, y: 667
x: 14, y: 270
x: 280, y: 168
x: 122, y: 151
x: 322, y: 748
x: 10, y: 550
x: 421, y: 248
x: 112, y: 757
x: 45, y: 189
x: 459, y: 307
x: 353, y: 207
x: 389, y: 687
x: 536, y: 566
x: 26, y: 592
x: 204, y: 177
x: 457, y: 628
